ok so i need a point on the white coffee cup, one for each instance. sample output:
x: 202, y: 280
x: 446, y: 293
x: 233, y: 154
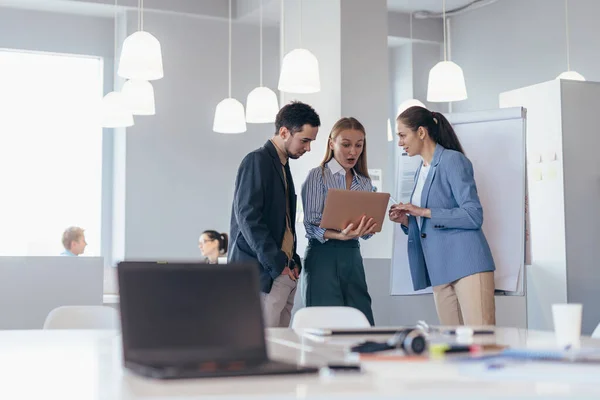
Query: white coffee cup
x: 567, y: 324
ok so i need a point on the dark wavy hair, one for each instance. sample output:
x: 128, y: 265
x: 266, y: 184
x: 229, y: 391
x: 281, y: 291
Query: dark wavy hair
x: 295, y: 115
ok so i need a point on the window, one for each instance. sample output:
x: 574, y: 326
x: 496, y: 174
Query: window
x: 50, y: 151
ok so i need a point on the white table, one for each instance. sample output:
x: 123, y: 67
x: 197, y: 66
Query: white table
x: 81, y: 365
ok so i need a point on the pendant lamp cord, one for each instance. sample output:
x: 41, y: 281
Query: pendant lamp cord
x: 444, y: 17
x: 261, y: 43
x: 300, y: 23
x: 567, y: 35
x: 115, y: 33
x: 229, y: 48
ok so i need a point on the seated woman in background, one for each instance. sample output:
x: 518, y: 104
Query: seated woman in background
x: 213, y: 244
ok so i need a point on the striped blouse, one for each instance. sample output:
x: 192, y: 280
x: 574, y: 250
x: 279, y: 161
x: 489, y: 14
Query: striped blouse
x: 314, y: 192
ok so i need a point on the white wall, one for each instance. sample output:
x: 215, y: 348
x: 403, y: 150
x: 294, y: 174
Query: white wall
x: 365, y: 94
x: 72, y: 34
x: 401, y: 77
x: 409, y: 73
x: 430, y: 30
x: 352, y: 84
x: 514, y: 43
x: 426, y: 56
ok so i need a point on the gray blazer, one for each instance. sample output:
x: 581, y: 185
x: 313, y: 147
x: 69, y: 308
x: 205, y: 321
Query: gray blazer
x: 450, y: 245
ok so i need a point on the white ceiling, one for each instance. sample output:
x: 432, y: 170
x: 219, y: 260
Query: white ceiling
x: 424, y: 5
x: 271, y: 11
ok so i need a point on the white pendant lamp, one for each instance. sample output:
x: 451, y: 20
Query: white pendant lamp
x: 571, y: 75
x: 390, y: 135
x: 141, y: 56
x: 229, y: 114
x: 229, y: 117
x: 261, y: 105
x: 299, y: 69
x: 407, y: 104
x: 139, y: 97
x: 446, y: 79
x: 113, y: 111
x: 568, y: 74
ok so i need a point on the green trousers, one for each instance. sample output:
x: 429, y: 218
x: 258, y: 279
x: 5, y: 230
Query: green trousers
x: 334, y: 275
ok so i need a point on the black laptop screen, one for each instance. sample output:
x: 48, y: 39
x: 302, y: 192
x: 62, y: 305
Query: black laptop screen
x: 215, y: 309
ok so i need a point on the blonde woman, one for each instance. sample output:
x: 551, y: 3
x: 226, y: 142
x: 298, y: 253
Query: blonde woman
x: 333, y: 273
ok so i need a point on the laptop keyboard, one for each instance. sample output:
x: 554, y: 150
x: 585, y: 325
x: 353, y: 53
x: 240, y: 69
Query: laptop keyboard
x: 232, y: 369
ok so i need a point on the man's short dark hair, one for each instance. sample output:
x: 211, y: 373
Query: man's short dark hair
x: 295, y: 115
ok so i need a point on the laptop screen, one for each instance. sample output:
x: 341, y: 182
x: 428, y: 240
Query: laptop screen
x: 196, y: 311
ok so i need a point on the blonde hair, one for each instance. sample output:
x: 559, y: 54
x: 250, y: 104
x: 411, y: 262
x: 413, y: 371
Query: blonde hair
x: 70, y: 235
x: 345, y: 124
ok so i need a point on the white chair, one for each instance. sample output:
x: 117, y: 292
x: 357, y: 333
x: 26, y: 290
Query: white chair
x: 82, y: 317
x: 596, y: 333
x: 329, y: 317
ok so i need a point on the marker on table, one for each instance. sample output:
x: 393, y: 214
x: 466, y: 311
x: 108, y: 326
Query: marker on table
x: 439, y: 349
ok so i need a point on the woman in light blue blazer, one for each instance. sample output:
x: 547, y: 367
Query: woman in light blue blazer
x: 446, y: 246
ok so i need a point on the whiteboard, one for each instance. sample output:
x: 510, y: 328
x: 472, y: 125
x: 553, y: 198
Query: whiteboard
x: 494, y: 141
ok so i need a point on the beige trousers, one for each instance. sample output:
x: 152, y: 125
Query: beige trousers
x: 278, y: 303
x: 467, y: 301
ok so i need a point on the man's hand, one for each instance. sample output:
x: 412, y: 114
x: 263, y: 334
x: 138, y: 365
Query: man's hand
x: 291, y: 273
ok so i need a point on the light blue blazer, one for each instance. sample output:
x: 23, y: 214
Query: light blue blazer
x: 450, y: 245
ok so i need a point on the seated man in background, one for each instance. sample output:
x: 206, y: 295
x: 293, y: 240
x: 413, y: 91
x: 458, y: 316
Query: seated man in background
x: 74, y: 242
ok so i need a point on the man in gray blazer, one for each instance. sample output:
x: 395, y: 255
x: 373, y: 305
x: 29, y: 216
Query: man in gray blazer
x: 264, y: 211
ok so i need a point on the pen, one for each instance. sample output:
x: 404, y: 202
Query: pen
x: 475, y: 332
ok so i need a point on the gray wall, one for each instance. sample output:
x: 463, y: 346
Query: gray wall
x: 513, y: 43
x: 179, y: 173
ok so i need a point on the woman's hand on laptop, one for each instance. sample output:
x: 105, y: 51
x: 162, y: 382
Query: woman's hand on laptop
x: 366, y: 227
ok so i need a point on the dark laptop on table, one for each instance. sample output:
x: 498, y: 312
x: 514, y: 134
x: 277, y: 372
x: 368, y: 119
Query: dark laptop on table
x: 188, y: 320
